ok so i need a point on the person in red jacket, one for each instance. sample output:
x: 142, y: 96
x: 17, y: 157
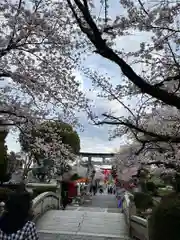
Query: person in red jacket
x: 72, y: 190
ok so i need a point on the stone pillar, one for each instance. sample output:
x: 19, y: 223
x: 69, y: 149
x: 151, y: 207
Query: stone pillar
x: 89, y: 165
x: 58, y: 191
x: 89, y: 160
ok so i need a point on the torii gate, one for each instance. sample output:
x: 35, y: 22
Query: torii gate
x: 96, y: 155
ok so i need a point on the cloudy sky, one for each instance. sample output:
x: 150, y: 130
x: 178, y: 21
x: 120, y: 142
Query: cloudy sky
x: 93, y: 138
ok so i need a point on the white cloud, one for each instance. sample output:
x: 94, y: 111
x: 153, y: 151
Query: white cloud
x: 96, y: 144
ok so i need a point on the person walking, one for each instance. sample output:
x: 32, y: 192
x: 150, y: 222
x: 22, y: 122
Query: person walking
x: 15, y: 222
x: 94, y: 186
x: 72, y: 191
x: 114, y: 189
x: 64, y: 194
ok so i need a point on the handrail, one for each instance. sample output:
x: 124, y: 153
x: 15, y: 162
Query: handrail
x: 43, y: 202
x: 138, y: 227
x: 126, y: 207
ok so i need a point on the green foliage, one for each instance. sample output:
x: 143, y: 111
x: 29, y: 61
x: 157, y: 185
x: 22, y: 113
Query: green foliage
x: 68, y: 136
x: 42, y: 189
x: 156, y: 180
x: 165, y: 219
x: 176, y: 183
x: 143, y: 200
x: 75, y: 177
x: 163, y: 192
x: 143, y: 173
x: 151, y: 187
x: 4, y: 176
x: 42, y: 173
x: 160, y: 185
x: 3, y: 163
x: 46, y: 131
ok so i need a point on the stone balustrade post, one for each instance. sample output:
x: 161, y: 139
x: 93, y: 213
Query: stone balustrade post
x: 58, y: 191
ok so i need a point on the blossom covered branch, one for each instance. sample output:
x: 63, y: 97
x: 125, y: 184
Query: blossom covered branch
x: 89, y: 27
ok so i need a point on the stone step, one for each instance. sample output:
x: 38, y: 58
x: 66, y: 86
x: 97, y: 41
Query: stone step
x: 77, y: 236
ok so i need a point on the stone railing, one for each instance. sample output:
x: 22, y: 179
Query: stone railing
x: 41, y: 204
x: 44, y: 202
x: 138, y: 227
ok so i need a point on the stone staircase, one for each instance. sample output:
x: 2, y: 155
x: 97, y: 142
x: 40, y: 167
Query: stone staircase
x: 82, y: 223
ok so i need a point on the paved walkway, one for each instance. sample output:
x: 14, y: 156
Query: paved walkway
x: 99, y: 219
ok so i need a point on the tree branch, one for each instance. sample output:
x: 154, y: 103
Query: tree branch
x: 174, y: 78
x: 154, y: 136
x: 95, y: 36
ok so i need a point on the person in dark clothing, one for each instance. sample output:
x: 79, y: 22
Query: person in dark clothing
x: 101, y: 190
x: 64, y: 194
x: 110, y: 190
x: 94, y: 189
x: 15, y: 222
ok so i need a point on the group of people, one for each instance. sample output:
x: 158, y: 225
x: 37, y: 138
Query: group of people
x: 94, y: 188
x: 111, y: 189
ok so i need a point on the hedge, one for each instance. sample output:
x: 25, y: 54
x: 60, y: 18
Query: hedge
x: 143, y: 201
x: 151, y: 187
x: 165, y: 219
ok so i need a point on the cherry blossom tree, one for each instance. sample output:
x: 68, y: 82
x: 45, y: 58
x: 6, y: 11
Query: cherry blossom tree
x: 37, y: 62
x: 126, y: 156
x: 46, y: 145
x: 53, y: 140
x: 157, y: 84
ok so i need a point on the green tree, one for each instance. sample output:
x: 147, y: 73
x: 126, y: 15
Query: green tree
x: 49, y: 131
x: 3, y: 155
x: 68, y: 135
x: 50, y: 144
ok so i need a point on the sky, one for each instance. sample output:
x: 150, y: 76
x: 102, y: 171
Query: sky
x: 93, y: 138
